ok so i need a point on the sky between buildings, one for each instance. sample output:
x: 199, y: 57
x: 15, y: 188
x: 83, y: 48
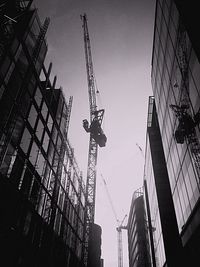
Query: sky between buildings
x: 121, y: 34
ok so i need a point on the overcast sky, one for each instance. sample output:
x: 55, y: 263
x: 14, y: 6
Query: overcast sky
x: 121, y: 34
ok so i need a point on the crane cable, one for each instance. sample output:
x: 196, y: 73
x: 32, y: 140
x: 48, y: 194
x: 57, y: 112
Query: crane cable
x: 99, y: 101
x: 110, y: 200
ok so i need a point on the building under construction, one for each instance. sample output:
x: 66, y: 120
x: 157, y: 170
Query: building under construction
x: 42, y: 196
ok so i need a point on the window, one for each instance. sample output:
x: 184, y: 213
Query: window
x: 38, y: 96
x: 30, y: 42
x: 31, y: 85
x: 34, y: 153
x: 25, y: 141
x: 45, y: 141
x: 9, y: 159
x: 58, y: 144
x: 44, y: 111
x: 34, y: 192
x: 54, y: 134
x: 51, y: 152
x: 50, y: 123
x: 26, y: 181
x: 22, y: 63
x: 16, y: 171
x: 32, y: 116
x: 41, y: 200
x: 39, y: 129
x: 25, y: 104
x: 41, y: 57
x: 18, y: 126
x: 55, y: 162
x: 59, y: 110
x: 63, y: 124
x: 40, y: 164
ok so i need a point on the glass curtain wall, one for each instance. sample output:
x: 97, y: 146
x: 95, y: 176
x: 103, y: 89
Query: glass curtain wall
x: 166, y: 82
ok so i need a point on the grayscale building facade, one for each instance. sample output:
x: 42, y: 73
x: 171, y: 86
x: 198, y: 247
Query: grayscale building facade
x: 138, y: 244
x: 166, y: 245
x: 94, y: 250
x: 42, y: 196
x: 173, y: 117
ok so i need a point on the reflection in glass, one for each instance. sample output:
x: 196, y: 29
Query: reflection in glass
x: 50, y: 123
x: 46, y: 141
x: 38, y: 96
x: 8, y: 161
x: 25, y: 141
x: 17, y: 128
x: 34, y: 191
x: 32, y: 116
x: 51, y: 152
x: 44, y: 111
x: 40, y: 164
x: 16, y: 171
x: 34, y: 154
x: 25, y: 104
x: 39, y: 129
x: 26, y: 181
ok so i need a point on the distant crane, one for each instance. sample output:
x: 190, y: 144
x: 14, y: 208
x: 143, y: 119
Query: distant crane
x: 119, y: 227
x: 97, y: 137
x: 141, y: 150
x: 120, y: 246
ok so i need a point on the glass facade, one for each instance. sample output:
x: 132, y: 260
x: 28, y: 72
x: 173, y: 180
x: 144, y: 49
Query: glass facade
x: 138, y: 245
x: 166, y: 82
x: 175, y: 81
x: 152, y: 197
x: 36, y: 159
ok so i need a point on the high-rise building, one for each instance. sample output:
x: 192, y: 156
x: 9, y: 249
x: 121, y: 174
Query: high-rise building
x: 42, y: 196
x: 172, y: 163
x: 138, y: 245
x: 164, y: 236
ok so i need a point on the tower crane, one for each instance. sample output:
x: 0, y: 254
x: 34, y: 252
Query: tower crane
x: 186, y: 130
x: 119, y: 228
x: 119, y: 237
x: 97, y: 138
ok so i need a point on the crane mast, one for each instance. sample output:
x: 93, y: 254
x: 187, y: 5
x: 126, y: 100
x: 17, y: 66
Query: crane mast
x: 97, y: 137
x: 120, y: 246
